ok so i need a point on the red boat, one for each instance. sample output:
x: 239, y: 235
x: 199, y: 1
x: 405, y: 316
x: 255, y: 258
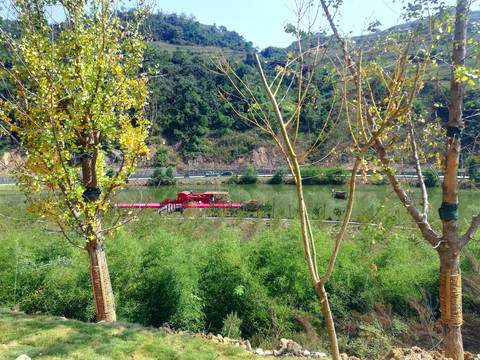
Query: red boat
x: 188, y: 199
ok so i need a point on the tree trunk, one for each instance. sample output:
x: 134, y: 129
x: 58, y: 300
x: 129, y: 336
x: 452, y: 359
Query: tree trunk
x: 327, y: 313
x: 102, y: 288
x: 449, y: 251
x: 451, y: 302
x: 307, y: 236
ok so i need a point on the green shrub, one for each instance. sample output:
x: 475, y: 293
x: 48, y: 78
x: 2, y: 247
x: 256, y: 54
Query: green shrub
x: 277, y: 178
x: 313, y: 175
x: 160, y: 177
x: 160, y: 158
x: 430, y: 177
x: 223, y: 281
x: 233, y: 179
x: 250, y: 177
x: 231, y: 326
x: 47, y: 275
x: 159, y: 283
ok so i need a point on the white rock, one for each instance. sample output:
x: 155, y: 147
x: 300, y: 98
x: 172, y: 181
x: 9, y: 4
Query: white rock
x: 23, y: 357
x: 306, y: 353
x: 259, y: 352
x: 268, y: 353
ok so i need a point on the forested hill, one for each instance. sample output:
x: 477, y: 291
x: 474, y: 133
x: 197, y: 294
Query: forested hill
x: 192, y: 124
x: 182, y: 30
x: 185, y: 109
x: 202, y: 128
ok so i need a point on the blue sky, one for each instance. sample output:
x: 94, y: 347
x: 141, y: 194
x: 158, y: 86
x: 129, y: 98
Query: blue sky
x: 262, y: 21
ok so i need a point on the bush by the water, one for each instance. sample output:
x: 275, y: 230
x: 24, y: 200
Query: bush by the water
x: 316, y: 175
x: 250, y: 177
x: 277, y: 178
x: 161, y: 177
x: 430, y: 177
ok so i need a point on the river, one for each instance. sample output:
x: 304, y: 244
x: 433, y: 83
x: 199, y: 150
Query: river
x: 373, y: 202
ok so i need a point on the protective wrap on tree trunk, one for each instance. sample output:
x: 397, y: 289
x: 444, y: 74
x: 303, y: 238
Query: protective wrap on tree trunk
x: 102, y: 289
x: 453, y: 131
x: 451, y: 299
x: 448, y: 211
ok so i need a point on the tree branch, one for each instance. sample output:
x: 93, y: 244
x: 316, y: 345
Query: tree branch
x: 471, y: 231
x: 418, y: 170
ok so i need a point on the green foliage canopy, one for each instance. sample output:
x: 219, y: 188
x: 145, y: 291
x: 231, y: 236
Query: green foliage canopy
x: 78, y: 93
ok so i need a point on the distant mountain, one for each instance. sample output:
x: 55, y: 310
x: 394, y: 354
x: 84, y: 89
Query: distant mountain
x: 473, y: 21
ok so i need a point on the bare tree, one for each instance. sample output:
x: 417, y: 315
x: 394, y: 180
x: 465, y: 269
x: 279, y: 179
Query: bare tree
x: 289, y: 93
x: 408, y: 69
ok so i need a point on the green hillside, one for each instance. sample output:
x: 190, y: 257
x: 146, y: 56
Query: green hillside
x: 191, y: 123
x: 194, y: 121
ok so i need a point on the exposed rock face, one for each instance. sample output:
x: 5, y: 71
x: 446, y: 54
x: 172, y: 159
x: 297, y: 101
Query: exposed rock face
x: 263, y: 157
x: 115, y: 156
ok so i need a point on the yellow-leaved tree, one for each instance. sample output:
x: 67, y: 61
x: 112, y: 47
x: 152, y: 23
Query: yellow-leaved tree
x: 77, y: 92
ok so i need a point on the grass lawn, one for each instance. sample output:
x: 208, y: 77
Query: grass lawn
x: 48, y: 337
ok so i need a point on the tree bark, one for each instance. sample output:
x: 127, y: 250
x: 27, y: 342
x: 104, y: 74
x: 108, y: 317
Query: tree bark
x: 451, y: 301
x: 102, y: 288
x: 327, y: 313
